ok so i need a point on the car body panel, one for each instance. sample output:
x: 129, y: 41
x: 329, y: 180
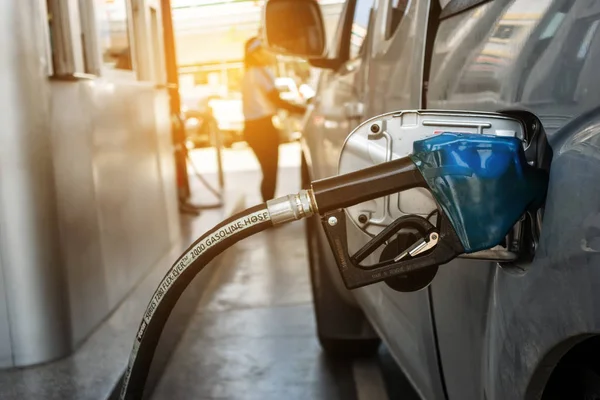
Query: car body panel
x: 402, y: 319
x: 496, y: 325
x: 394, y: 81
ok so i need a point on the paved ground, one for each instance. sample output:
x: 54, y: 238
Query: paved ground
x: 253, y: 334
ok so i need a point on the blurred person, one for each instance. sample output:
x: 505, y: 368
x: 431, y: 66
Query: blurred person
x: 261, y: 101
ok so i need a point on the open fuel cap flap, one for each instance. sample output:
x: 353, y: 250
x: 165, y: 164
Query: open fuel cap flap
x: 462, y: 156
x: 391, y: 136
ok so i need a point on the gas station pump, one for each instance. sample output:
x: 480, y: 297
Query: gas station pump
x: 181, y: 155
x: 484, y: 174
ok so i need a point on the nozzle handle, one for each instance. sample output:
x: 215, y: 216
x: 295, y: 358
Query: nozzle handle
x: 366, y: 184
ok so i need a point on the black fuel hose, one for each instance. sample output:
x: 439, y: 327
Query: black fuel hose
x: 183, y: 271
x: 325, y: 195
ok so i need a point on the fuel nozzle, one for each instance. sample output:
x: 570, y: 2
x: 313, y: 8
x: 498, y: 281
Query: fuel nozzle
x: 482, y: 185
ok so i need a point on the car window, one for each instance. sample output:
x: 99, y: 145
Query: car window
x: 335, y: 44
x: 360, y: 23
x: 563, y: 80
x: 397, y: 10
x: 453, y: 7
x: 549, y: 26
x: 489, y: 64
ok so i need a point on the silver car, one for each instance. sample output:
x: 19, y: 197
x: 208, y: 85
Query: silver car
x: 481, y: 329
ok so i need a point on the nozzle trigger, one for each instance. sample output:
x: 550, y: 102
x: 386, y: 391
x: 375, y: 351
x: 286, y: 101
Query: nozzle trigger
x: 438, y: 246
x: 420, y: 246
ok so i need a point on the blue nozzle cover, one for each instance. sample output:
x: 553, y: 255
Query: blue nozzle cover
x: 483, y: 183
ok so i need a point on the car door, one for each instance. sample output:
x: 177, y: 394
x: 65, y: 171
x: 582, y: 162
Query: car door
x: 488, y: 36
x: 383, y: 73
x: 394, y: 70
x: 495, y: 323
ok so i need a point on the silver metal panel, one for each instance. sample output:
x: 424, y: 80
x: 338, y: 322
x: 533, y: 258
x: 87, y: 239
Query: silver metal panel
x: 76, y: 195
x: 166, y: 163
x: 87, y: 194
x: 6, y: 356
x: 5, y: 343
x: 29, y: 248
x: 131, y: 206
x: 117, y: 204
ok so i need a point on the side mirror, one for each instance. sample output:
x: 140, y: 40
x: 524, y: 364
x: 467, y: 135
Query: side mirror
x: 294, y: 27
